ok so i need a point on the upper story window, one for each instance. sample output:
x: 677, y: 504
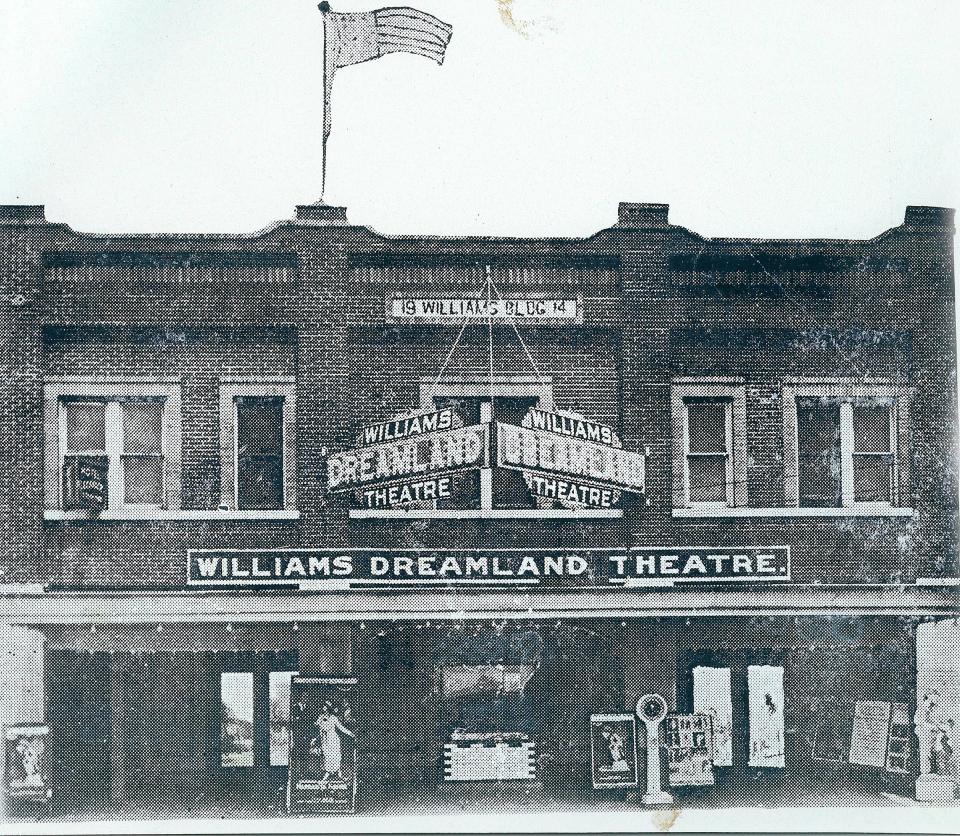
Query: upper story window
x: 111, y: 446
x: 845, y: 451
x: 257, y: 444
x: 841, y: 444
x: 709, y: 417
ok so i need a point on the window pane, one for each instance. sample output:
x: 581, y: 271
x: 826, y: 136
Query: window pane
x: 143, y: 480
x: 280, y: 717
x: 259, y: 426
x: 142, y: 427
x: 259, y: 453
x: 708, y: 478
x: 236, y: 724
x: 871, y: 478
x: 818, y: 443
x: 707, y: 426
x: 86, y: 427
x: 871, y: 428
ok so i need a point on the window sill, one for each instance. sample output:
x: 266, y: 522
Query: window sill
x: 487, y: 514
x: 875, y: 511
x: 166, y: 515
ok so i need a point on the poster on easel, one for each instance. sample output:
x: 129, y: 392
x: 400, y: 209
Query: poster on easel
x: 870, y: 735
x: 322, y: 773
x: 688, y: 740
x: 613, y: 750
x: 27, y: 774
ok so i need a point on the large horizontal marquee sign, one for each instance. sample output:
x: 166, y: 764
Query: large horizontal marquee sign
x: 455, y: 310
x: 472, y: 567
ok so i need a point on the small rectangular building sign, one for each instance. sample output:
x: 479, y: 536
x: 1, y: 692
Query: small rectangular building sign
x: 452, y: 310
x: 505, y: 567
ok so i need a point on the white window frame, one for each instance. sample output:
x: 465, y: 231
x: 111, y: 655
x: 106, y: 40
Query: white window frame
x: 111, y: 391
x: 731, y: 390
x: 283, y: 388
x: 846, y: 392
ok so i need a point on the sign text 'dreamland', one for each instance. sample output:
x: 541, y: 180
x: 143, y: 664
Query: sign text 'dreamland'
x: 417, y: 456
x: 522, y: 448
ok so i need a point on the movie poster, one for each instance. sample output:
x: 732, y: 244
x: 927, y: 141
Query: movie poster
x: 871, y: 733
x: 765, y: 692
x: 712, y: 696
x: 28, y: 762
x: 322, y: 774
x: 613, y: 750
x: 689, y: 750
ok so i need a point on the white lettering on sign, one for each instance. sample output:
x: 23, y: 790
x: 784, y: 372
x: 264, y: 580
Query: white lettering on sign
x: 453, y: 309
x: 422, y: 491
x: 407, y: 426
x: 573, y: 493
x: 522, y: 448
x: 574, y: 426
x: 703, y: 564
x: 421, y: 455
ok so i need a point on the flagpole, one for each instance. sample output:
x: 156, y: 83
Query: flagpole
x: 324, y: 7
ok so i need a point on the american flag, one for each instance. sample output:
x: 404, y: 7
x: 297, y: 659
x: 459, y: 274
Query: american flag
x: 355, y: 37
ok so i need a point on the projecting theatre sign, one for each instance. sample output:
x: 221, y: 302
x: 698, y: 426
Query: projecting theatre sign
x: 413, y: 458
x: 608, y: 567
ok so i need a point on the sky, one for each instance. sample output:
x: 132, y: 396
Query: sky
x: 760, y: 119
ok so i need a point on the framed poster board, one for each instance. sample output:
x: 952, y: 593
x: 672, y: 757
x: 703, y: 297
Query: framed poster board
x: 900, y: 739
x: 689, y: 750
x: 871, y: 731
x: 831, y: 736
x: 27, y: 759
x: 613, y: 750
x: 322, y: 772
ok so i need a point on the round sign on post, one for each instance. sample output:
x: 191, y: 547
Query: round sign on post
x: 652, y: 708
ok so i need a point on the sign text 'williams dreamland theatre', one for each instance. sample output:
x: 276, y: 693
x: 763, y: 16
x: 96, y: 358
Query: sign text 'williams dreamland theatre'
x: 554, y: 567
x: 412, y: 458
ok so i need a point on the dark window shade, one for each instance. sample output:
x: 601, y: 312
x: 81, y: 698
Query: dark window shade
x: 707, y: 426
x: 259, y: 453
x: 708, y: 478
x: 818, y: 448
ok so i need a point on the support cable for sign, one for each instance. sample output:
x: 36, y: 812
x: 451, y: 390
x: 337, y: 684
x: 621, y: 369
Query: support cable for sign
x: 541, y: 379
x: 446, y: 362
x: 488, y: 272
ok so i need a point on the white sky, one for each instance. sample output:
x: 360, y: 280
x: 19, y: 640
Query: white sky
x: 789, y: 119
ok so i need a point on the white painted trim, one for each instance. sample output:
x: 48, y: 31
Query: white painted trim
x: 148, y: 514
x: 486, y: 514
x: 946, y: 581
x: 795, y: 511
x: 96, y: 380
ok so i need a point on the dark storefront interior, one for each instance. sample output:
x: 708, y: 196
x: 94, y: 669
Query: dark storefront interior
x: 155, y: 727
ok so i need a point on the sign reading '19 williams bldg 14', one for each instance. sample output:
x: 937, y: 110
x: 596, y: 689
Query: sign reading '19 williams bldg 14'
x: 323, y: 521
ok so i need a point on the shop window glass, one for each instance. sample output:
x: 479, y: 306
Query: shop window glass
x: 280, y: 717
x: 259, y: 452
x: 236, y: 725
x: 818, y: 444
x: 709, y: 464
x: 486, y: 699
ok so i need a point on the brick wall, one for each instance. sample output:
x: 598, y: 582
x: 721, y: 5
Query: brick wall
x: 660, y: 302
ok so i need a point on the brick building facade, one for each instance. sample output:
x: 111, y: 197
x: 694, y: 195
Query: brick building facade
x: 786, y: 396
